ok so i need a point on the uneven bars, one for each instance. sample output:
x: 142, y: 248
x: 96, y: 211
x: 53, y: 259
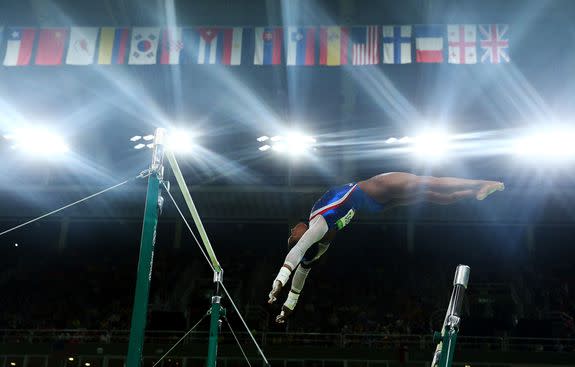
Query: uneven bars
x: 193, y: 210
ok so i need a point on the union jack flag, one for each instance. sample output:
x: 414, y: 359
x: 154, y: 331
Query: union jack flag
x: 494, y: 42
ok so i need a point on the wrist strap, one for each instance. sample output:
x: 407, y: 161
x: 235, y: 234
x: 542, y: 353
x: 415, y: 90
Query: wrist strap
x: 291, y: 300
x: 283, y: 275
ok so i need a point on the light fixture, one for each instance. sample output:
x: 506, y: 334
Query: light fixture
x: 295, y: 143
x: 141, y: 141
x: 12, y: 363
x: 431, y: 145
x: 37, y: 141
x: 178, y: 140
x: 553, y: 144
x: 87, y: 364
x: 71, y: 359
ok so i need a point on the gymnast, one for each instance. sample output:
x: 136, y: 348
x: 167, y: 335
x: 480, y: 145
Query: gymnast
x: 336, y: 208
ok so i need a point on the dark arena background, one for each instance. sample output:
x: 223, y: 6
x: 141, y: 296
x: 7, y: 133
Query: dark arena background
x: 262, y: 122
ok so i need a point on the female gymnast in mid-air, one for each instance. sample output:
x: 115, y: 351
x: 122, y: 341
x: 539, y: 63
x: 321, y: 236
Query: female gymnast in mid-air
x: 335, y: 209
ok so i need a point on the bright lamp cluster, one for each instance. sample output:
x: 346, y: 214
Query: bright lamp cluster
x: 38, y: 141
x: 430, y: 145
x: 292, y: 144
x: 553, y: 144
x: 179, y: 141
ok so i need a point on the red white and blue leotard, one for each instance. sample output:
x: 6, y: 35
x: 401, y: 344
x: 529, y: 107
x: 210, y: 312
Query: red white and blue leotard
x: 339, y: 205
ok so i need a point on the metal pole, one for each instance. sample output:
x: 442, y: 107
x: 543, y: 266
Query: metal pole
x: 443, y: 356
x: 144, y: 275
x: 215, y: 322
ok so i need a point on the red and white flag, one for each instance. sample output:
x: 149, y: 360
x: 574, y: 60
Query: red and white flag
x: 82, y: 45
x: 429, y: 43
x: 462, y: 41
x: 19, y: 44
x: 51, y: 43
x: 172, y: 45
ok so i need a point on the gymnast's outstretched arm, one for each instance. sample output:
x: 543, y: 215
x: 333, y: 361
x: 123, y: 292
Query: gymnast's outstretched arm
x: 297, y: 283
x: 317, y: 229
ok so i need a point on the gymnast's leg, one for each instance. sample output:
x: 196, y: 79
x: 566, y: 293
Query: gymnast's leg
x: 399, y: 188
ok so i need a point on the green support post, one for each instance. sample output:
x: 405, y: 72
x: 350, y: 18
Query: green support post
x: 449, y: 339
x: 215, y: 321
x: 144, y: 275
x: 443, y: 356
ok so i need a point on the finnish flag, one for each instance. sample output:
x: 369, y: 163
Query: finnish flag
x: 397, y: 44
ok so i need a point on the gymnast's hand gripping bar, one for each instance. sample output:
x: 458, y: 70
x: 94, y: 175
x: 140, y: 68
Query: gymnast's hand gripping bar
x: 443, y: 355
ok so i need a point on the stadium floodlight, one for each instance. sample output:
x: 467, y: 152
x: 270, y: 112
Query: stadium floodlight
x: 37, y: 141
x: 178, y: 141
x: 430, y: 145
x: 71, y: 359
x: 556, y: 144
x: 298, y: 143
x: 294, y: 144
x: 263, y: 138
x: 263, y: 148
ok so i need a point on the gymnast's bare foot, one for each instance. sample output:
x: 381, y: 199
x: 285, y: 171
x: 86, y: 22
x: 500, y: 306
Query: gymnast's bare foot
x: 489, y: 188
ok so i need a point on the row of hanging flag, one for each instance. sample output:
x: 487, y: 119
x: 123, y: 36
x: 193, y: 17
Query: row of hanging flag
x: 330, y: 46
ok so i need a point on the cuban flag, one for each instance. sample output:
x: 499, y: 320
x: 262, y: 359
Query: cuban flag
x: 429, y: 43
x: 462, y: 41
x: 365, y: 45
x: 19, y: 44
x: 300, y: 46
x: 220, y: 46
x: 397, y: 44
x: 268, y: 46
x: 494, y: 43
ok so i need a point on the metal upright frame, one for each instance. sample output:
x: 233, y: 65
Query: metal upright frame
x: 443, y: 356
x: 154, y: 203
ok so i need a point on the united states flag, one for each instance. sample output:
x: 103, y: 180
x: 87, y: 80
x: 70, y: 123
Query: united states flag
x: 365, y: 45
x: 494, y: 42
